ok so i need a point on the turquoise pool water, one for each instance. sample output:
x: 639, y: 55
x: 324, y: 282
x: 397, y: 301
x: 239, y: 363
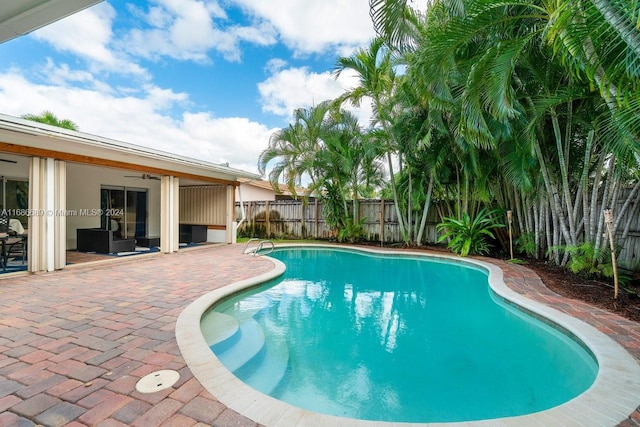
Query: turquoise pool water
x: 393, y: 338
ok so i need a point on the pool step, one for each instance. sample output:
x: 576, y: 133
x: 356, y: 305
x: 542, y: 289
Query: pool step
x: 251, y: 341
x: 241, y: 346
x: 271, y: 368
x: 218, y: 327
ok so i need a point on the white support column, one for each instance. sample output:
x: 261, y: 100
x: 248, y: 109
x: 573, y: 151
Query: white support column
x: 47, y: 226
x: 49, y: 209
x: 231, y: 214
x: 60, y: 220
x: 176, y: 214
x: 169, y: 215
x: 36, y: 255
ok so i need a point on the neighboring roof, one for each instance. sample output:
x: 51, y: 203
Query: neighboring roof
x: 27, y: 137
x: 19, y: 17
x: 267, y: 186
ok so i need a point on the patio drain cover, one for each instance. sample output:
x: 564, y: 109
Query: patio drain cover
x: 156, y: 381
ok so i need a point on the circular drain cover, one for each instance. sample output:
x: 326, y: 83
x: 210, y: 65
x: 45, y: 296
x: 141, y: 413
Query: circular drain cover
x: 156, y: 381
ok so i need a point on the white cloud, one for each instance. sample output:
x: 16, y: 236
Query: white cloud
x: 141, y: 120
x: 315, y: 26
x: 236, y: 140
x: 262, y: 34
x: 187, y: 30
x: 290, y: 88
x: 63, y: 74
x: 88, y: 34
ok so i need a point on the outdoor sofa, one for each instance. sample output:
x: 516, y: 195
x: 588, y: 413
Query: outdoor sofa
x: 102, y: 241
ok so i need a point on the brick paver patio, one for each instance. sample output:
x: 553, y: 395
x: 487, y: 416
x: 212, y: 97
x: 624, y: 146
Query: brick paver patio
x: 74, y: 343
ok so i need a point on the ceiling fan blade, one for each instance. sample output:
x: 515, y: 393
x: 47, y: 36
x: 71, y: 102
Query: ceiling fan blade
x: 8, y: 161
x: 142, y: 176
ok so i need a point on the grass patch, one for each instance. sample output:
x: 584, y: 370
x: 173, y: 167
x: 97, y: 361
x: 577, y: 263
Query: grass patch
x: 275, y: 241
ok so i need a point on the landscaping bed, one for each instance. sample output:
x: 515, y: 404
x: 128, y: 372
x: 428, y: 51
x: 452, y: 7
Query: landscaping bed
x: 598, y: 293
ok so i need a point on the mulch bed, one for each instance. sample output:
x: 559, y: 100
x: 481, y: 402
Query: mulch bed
x: 598, y: 293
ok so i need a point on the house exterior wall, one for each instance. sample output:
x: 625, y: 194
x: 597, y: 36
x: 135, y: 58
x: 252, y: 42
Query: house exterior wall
x: 83, y: 192
x: 251, y: 193
x: 205, y: 205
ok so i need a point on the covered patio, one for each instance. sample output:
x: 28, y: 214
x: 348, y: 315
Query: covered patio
x: 57, y: 182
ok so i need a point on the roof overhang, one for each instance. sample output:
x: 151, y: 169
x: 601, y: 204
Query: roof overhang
x: 20, y: 17
x: 31, y: 138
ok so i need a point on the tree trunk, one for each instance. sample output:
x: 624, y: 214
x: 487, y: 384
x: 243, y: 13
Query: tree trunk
x: 425, y: 210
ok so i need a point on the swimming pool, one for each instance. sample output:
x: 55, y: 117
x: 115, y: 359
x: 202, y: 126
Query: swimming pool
x: 394, y: 338
x: 605, y: 400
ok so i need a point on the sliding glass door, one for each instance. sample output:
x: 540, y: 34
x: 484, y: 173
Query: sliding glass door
x: 124, y: 210
x: 136, y: 213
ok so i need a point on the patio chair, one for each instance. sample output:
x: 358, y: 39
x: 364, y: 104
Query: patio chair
x: 17, y: 245
x: 4, y: 236
x: 14, y: 241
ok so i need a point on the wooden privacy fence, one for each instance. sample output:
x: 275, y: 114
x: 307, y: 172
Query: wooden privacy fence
x: 297, y: 220
x: 629, y: 251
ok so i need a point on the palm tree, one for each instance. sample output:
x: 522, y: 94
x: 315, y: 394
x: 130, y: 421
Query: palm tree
x: 601, y: 42
x: 47, y: 117
x: 597, y: 40
x: 294, y: 148
x: 487, y: 70
x: 348, y: 161
x: 376, y: 78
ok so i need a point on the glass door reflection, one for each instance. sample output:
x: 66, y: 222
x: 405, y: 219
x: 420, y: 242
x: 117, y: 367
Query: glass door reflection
x: 124, y: 210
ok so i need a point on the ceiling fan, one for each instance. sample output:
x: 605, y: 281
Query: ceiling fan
x: 8, y: 161
x: 143, y: 176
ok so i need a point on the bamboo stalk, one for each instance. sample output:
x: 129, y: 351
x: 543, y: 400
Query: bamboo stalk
x: 509, y: 220
x: 382, y: 222
x: 608, y: 219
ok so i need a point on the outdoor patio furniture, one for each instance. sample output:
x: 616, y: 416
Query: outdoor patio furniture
x: 148, y: 241
x: 17, y: 245
x: 192, y: 233
x: 13, y: 238
x: 102, y: 241
x: 3, y: 258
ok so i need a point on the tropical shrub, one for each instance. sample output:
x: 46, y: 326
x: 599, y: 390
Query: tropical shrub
x: 351, y: 230
x: 589, y: 262
x: 333, y: 208
x: 526, y: 244
x: 467, y: 236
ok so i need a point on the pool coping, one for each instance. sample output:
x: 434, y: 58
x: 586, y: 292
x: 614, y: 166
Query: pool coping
x: 614, y: 395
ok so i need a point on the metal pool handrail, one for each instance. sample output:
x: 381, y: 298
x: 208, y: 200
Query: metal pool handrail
x: 258, y: 248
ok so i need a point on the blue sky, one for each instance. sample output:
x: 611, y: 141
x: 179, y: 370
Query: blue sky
x: 203, y: 78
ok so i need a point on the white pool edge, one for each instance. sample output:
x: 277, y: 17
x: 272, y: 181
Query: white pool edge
x: 614, y: 395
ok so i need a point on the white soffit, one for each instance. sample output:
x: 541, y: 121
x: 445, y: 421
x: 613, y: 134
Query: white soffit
x: 19, y: 17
